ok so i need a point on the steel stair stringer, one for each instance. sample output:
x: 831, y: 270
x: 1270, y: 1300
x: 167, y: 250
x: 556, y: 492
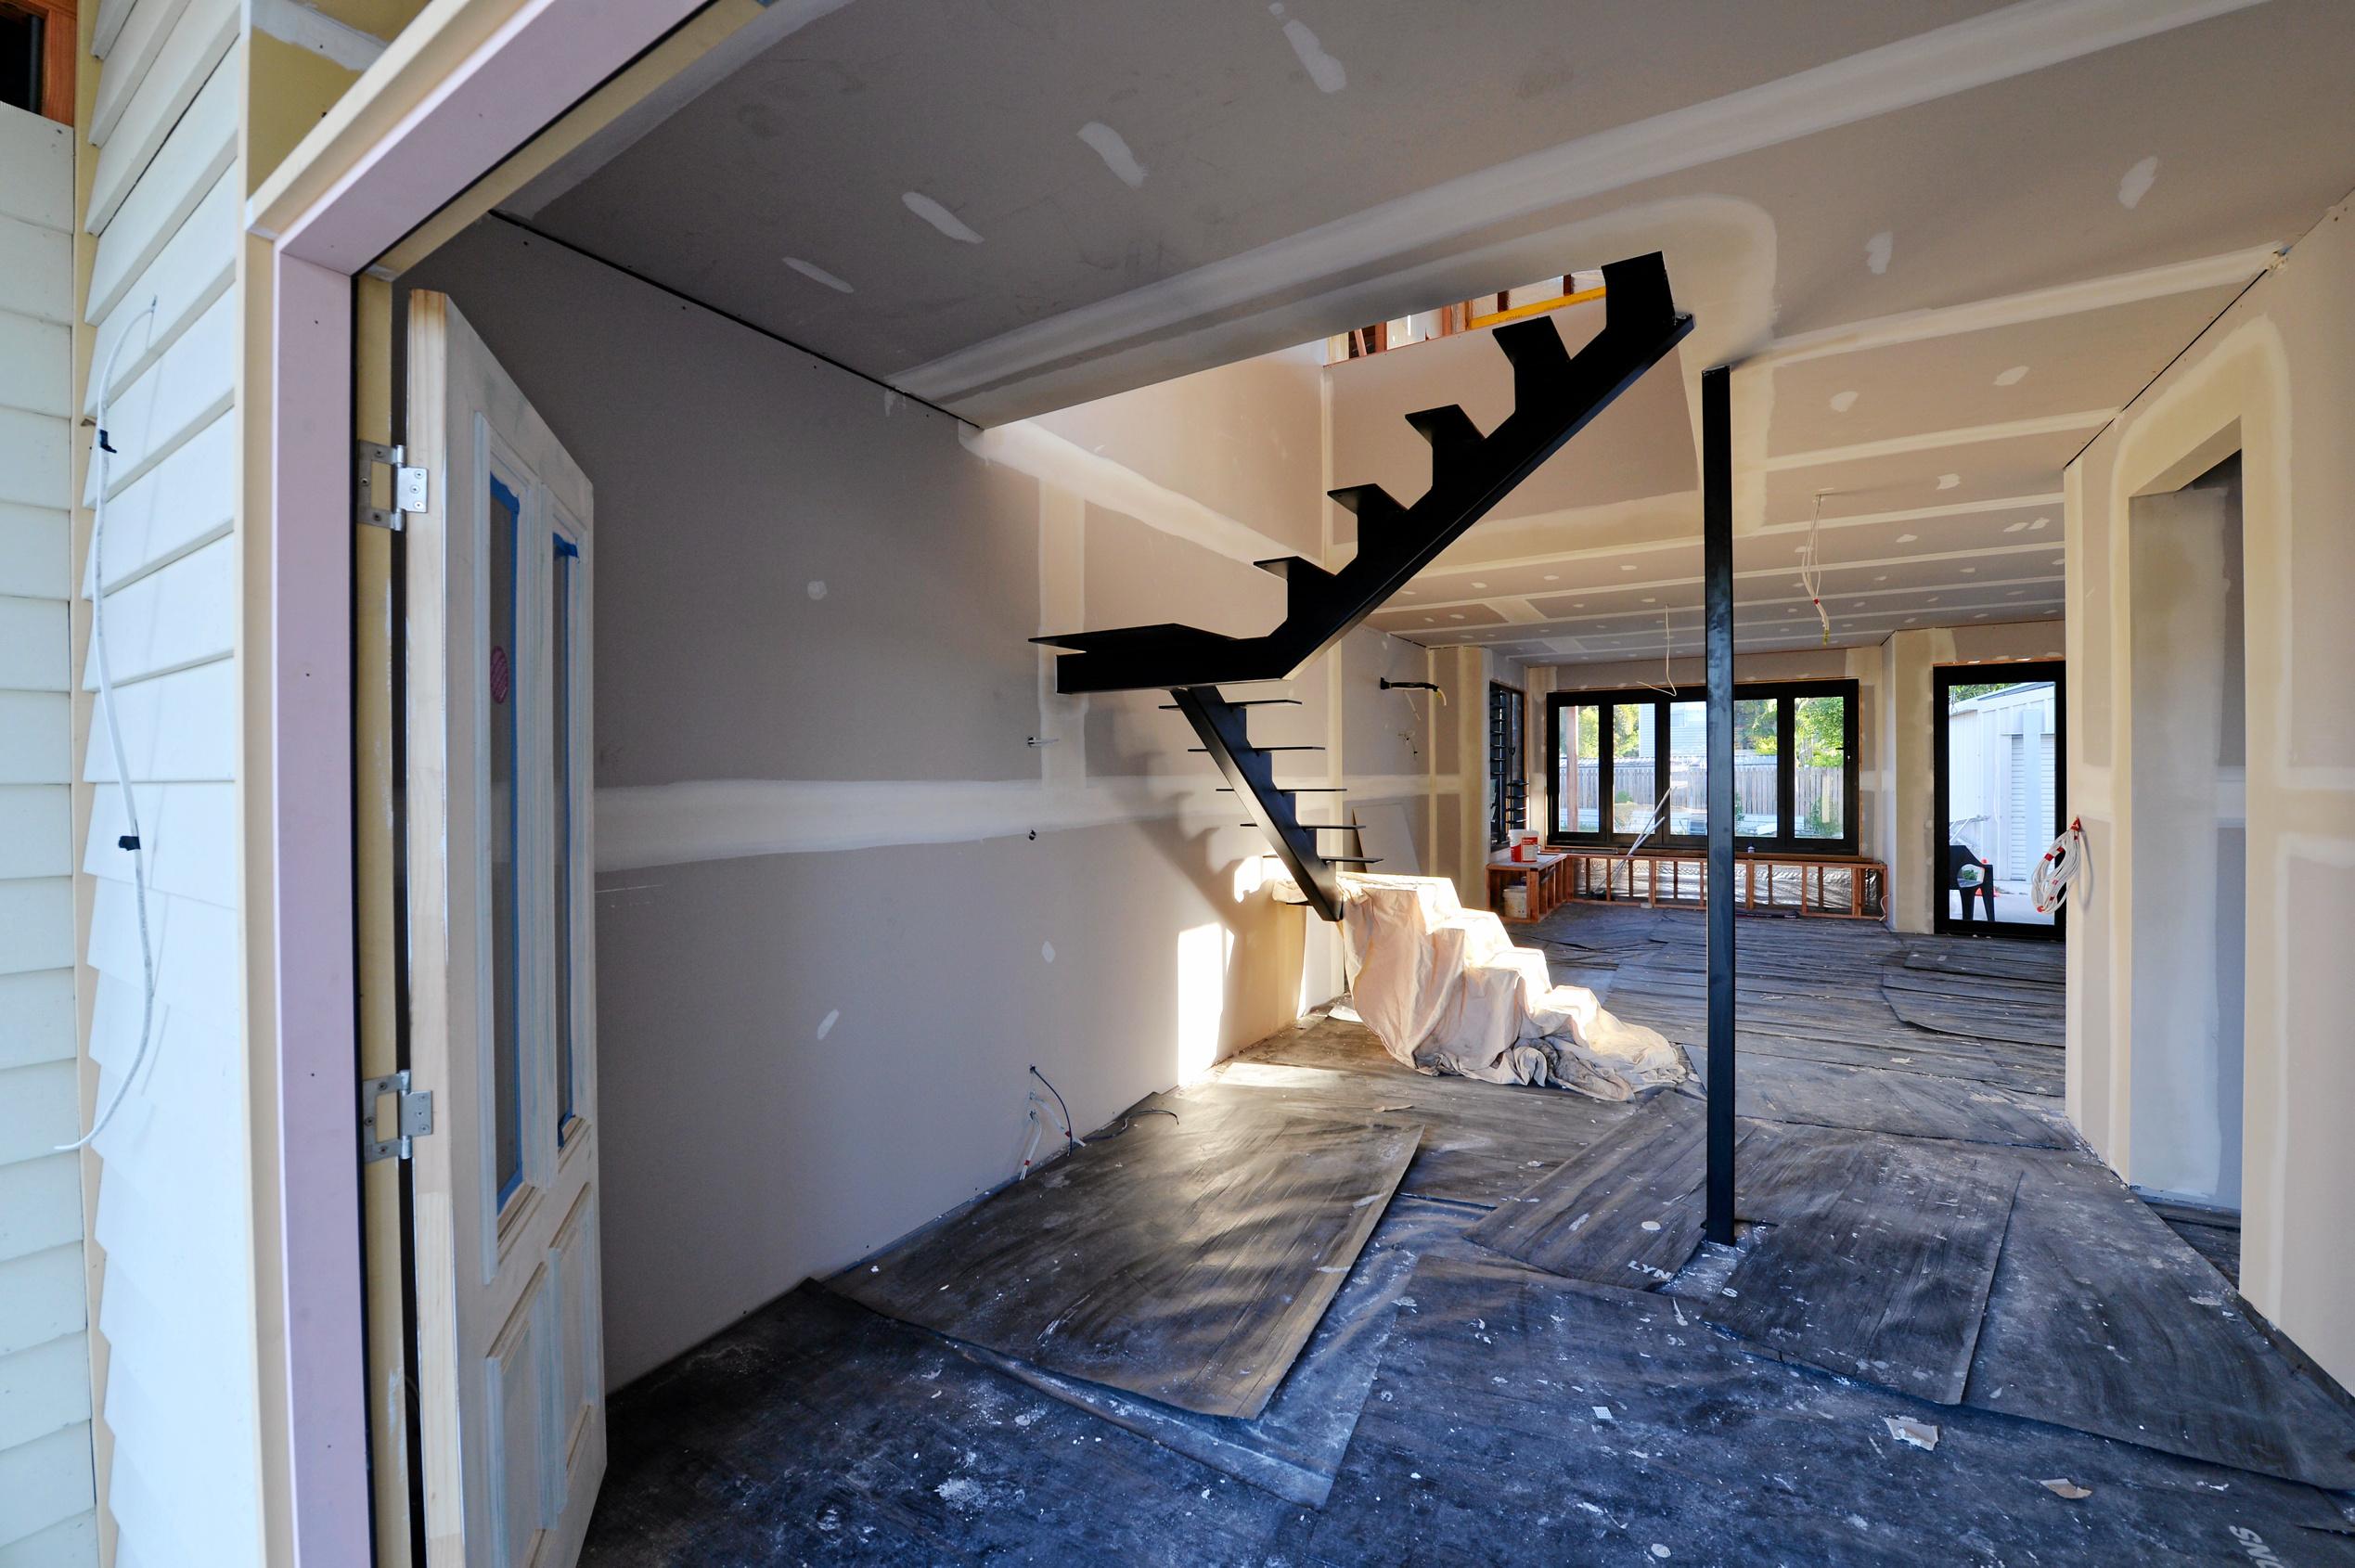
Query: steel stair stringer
x: 1555, y: 395
x: 1251, y: 772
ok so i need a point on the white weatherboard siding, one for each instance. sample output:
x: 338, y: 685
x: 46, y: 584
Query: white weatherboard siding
x: 47, y: 1500
x: 176, y: 1305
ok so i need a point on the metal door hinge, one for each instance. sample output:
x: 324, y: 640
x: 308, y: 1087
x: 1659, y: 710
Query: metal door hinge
x: 412, y: 1116
x: 408, y: 486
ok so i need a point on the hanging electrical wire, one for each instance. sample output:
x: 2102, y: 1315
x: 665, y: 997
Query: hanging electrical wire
x: 1811, y: 566
x: 1037, y: 1131
x: 2059, y: 870
x: 1668, y: 646
x: 130, y: 839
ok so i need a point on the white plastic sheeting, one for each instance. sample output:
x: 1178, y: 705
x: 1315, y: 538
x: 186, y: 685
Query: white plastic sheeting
x: 1446, y: 991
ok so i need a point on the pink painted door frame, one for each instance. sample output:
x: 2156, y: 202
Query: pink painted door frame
x: 547, y: 56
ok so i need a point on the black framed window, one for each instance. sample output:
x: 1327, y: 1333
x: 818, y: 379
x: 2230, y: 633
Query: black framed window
x: 1507, y: 781
x: 1632, y: 765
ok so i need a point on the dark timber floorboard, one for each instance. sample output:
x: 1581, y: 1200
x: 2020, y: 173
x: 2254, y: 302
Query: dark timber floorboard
x: 1514, y: 1416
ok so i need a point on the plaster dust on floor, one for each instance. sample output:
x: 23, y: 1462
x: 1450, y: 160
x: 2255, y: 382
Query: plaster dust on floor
x: 1489, y: 1412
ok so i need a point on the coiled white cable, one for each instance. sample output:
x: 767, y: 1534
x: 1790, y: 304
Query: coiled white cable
x: 131, y: 839
x: 2060, y: 868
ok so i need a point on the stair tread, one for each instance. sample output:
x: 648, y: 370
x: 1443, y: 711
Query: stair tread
x: 1247, y: 702
x: 1367, y: 500
x: 1296, y: 790
x: 1447, y: 425
x: 1129, y: 639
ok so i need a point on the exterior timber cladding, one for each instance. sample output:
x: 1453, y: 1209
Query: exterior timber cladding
x: 173, y: 1366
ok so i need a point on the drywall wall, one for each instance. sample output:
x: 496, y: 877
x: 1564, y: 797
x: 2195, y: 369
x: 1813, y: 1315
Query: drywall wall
x: 2273, y: 380
x: 1240, y: 439
x: 844, y: 903
x: 1638, y: 449
x: 1911, y: 838
x: 2182, y: 553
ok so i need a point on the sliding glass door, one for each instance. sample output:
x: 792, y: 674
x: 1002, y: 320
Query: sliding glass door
x: 1999, y: 751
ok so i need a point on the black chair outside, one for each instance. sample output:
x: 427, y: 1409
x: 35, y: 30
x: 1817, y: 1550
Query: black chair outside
x: 1961, y: 858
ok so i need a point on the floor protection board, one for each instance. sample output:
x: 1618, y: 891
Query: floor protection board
x: 1976, y: 1005
x: 1999, y: 958
x: 1627, y: 1214
x: 1908, y: 1104
x: 1482, y: 1142
x: 1295, y: 1447
x: 2104, y: 1319
x: 813, y: 1429
x: 1849, y: 1022
x: 1882, y: 1272
x: 1187, y: 1259
x: 1522, y: 1418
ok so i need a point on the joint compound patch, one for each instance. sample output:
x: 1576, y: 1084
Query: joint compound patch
x: 2136, y: 182
x: 1877, y: 252
x: 939, y: 217
x: 1327, y: 72
x: 817, y: 274
x: 1113, y: 149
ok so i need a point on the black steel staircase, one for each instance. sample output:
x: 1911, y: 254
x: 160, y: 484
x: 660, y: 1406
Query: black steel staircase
x: 1555, y: 395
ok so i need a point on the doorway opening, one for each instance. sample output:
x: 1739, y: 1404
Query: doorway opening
x: 2188, y: 826
x: 2000, y: 740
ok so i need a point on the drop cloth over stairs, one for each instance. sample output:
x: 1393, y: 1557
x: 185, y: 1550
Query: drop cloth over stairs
x: 1446, y: 991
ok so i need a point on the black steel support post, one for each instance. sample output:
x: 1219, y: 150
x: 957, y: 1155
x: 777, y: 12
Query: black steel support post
x: 1716, y: 591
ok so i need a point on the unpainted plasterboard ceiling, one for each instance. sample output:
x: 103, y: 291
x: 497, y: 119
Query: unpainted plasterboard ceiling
x: 1943, y: 242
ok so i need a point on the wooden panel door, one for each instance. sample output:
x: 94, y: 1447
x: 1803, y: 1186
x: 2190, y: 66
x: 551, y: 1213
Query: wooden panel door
x: 511, y: 1351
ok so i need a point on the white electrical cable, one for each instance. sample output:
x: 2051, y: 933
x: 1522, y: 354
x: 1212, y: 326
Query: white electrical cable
x: 2062, y: 865
x: 1811, y: 566
x: 1668, y: 646
x: 1037, y: 1131
x: 1061, y: 1125
x: 1659, y: 814
x: 131, y: 839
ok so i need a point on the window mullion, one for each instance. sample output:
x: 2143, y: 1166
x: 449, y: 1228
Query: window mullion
x: 1786, y: 819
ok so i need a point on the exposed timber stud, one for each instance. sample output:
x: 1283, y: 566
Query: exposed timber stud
x: 1716, y: 592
